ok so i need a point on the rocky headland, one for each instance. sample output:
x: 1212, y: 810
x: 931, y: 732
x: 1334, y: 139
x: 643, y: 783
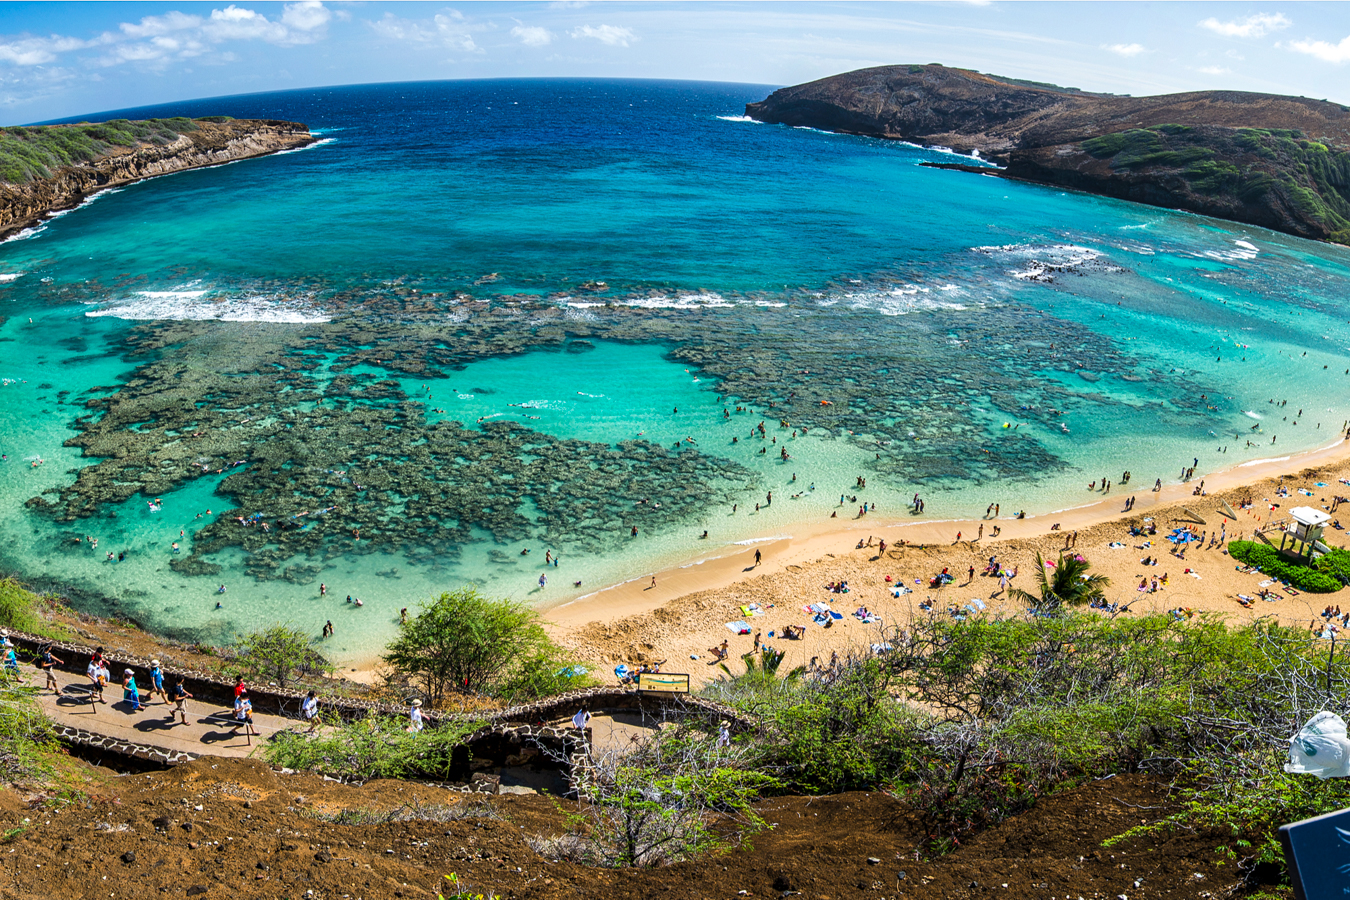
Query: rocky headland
x: 48, y: 168
x: 1275, y: 161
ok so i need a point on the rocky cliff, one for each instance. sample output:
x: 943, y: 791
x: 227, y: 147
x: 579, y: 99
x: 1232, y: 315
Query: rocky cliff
x: 208, y: 143
x: 1280, y: 162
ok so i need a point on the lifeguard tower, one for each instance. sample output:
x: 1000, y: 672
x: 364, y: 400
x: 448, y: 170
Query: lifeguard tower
x: 1303, y: 536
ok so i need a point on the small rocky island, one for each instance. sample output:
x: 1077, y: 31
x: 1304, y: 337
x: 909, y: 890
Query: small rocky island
x: 1269, y: 160
x: 44, y: 168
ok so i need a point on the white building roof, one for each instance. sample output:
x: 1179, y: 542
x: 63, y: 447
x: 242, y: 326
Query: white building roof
x: 1306, y: 515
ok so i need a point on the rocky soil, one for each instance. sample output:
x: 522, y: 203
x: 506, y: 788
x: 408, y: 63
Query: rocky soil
x: 212, y: 143
x: 224, y: 828
x: 1269, y: 160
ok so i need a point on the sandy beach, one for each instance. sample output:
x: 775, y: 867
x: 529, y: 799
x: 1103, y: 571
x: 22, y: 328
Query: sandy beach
x: 684, y: 613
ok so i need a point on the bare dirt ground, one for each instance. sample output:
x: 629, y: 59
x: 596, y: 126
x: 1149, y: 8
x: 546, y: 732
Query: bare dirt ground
x: 219, y: 828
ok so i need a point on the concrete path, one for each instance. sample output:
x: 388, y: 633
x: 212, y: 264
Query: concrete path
x: 209, y: 731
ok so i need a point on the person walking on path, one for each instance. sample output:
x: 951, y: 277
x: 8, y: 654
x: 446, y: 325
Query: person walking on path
x: 130, y: 693
x: 98, y: 677
x: 581, y: 719
x: 239, y: 687
x: 415, y: 721
x: 243, y: 714
x: 47, y: 661
x: 309, y: 708
x: 12, y: 663
x: 157, y: 682
x: 180, y: 699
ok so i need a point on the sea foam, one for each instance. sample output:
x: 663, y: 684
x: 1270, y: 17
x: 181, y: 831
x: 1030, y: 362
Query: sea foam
x: 201, y: 305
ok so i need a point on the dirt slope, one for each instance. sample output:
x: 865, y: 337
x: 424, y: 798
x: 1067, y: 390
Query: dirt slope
x: 254, y: 833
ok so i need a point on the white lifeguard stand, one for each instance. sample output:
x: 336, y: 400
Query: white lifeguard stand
x: 1305, y: 532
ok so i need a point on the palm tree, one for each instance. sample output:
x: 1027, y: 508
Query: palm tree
x: 1070, y: 585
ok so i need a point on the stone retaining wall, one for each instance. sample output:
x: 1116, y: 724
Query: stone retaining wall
x: 72, y: 735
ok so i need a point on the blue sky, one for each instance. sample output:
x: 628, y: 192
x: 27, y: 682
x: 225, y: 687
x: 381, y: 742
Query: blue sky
x: 67, y: 59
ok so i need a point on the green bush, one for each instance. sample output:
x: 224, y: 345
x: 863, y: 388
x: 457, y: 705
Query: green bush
x: 1270, y: 562
x: 372, y: 747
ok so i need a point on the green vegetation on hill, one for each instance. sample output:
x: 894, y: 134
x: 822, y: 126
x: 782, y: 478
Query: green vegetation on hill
x: 1249, y: 164
x: 36, y: 151
x: 1319, y: 578
x: 971, y: 722
x: 21, y: 610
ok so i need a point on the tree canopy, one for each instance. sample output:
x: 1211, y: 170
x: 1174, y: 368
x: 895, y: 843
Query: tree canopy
x: 464, y: 642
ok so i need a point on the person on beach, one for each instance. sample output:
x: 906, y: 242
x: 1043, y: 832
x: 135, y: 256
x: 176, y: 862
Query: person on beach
x: 180, y: 699
x: 243, y: 714
x: 757, y: 557
x: 309, y: 710
x: 157, y: 682
x: 47, y: 661
x: 581, y: 719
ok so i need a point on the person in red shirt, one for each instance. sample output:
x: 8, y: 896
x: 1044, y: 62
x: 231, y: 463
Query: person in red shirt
x: 239, y: 686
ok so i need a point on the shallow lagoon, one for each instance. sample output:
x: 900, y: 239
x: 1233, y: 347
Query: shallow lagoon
x: 905, y: 315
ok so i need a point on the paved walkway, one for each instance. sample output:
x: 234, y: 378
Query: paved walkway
x: 209, y: 730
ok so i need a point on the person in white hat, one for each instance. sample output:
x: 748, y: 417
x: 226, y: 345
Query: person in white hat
x: 157, y: 682
x: 415, y: 720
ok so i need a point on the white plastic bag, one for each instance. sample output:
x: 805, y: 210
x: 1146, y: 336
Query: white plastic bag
x: 1320, y: 748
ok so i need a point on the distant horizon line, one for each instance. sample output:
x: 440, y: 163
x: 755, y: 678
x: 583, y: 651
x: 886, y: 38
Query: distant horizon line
x: 106, y: 115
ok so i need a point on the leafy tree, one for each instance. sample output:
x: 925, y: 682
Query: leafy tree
x: 1070, y: 585
x: 277, y: 652
x: 467, y: 643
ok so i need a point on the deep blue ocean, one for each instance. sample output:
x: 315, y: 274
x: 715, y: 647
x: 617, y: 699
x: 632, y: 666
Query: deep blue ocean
x: 484, y: 316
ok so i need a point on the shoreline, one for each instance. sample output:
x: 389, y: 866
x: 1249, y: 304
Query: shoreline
x: 635, y: 596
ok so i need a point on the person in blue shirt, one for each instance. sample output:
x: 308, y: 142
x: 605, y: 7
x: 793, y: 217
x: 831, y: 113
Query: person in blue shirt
x: 157, y: 682
x: 12, y: 664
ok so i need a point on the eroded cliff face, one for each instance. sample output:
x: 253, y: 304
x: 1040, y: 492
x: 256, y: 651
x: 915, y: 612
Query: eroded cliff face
x: 1279, y: 162
x: 212, y: 143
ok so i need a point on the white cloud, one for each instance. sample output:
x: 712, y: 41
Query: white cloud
x: 448, y: 28
x: 1215, y: 70
x: 307, y: 16
x: 1126, y: 50
x: 36, y: 51
x: 605, y: 34
x: 532, y: 36
x: 1327, y: 52
x: 1251, y: 27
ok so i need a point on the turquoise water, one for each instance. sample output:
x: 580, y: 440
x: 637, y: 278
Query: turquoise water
x: 485, y: 316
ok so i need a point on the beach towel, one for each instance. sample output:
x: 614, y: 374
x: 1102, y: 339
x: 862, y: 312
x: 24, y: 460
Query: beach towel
x: 820, y: 618
x: 1245, y: 597
x: 739, y: 627
x: 881, y: 648
x: 979, y: 604
x: 835, y: 615
x: 752, y: 609
x: 1116, y: 545
x: 1266, y: 583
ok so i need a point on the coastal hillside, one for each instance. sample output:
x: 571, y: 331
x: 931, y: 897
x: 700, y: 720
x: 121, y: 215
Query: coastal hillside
x: 44, y: 168
x: 1274, y: 161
